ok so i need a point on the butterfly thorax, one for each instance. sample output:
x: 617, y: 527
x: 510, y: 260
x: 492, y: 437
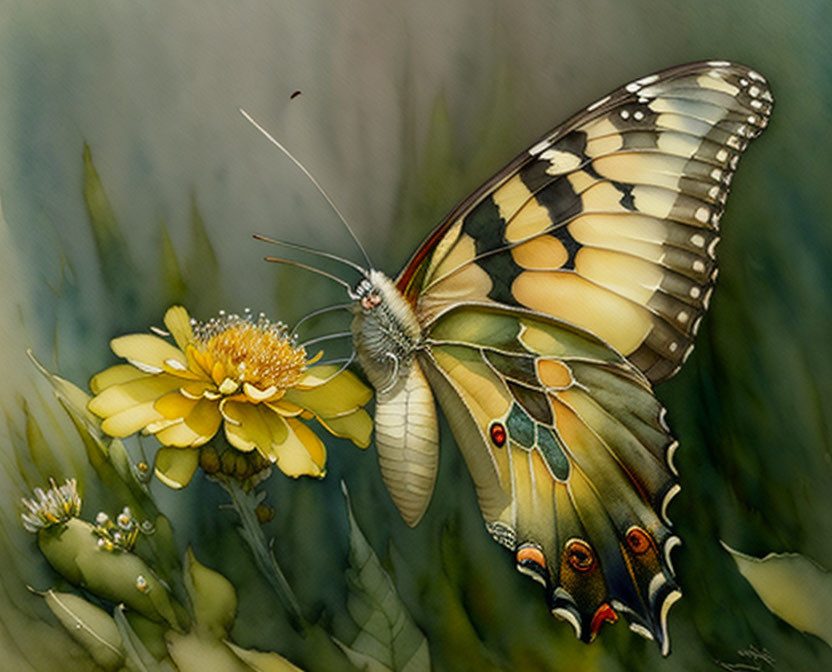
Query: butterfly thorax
x: 386, y: 331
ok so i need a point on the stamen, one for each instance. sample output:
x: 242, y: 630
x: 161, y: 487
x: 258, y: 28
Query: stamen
x: 251, y: 350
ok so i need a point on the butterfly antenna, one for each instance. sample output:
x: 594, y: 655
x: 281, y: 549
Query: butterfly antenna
x: 277, y: 144
x: 297, y: 264
x: 320, y: 311
x: 349, y: 360
x: 312, y: 250
x: 328, y: 337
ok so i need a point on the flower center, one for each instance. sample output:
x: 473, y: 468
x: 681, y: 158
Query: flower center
x: 258, y: 351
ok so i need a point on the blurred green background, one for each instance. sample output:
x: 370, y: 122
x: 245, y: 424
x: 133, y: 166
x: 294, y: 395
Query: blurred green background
x: 404, y: 108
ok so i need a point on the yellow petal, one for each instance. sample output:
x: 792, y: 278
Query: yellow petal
x: 302, y: 453
x: 118, y: 398
x: 356, y: 426
x: 248, y: 427
x: 147, y: 352
x: 199, y: 361
x: 197, y: 389
x: 174, y: 405
x: 228, y: 386
x: 176, y: 466
x: 131, y: 420
x: 256, y: 394
x: 196, y: 429
x: 218, y: 373
x: 115, y: 375
x: 285, y: 408
x: 343, y: 393
x: 178, y: 323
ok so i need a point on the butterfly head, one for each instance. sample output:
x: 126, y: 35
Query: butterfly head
x: 385, y: 328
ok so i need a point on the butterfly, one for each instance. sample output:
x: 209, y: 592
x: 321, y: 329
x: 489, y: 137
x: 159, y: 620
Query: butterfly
x: 541, y: 312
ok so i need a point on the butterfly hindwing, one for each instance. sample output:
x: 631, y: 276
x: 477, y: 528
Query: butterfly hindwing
x: 611, y: 221
x: 569, y: 454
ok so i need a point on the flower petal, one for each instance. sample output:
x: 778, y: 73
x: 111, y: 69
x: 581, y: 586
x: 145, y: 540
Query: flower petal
x: 302, y: 453
x: 197, y: 389
x: 131, y: 420
x: 178, y: 323
x: 196, y: 429
x: 284, y: 408
x: 248, y: 427
x: 146, y: 352
x: 115, y: 375
x: 176, y: 466
x: 339, y: 395
x: 174, y: 405
x: 256, y: 394
x: 118, y: 398
x: 356, y: 426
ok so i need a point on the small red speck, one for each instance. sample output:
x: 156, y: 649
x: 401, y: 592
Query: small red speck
x: 498, y: 434
x: 294, y: 95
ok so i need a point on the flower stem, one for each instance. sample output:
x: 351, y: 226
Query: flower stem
x: 245, y: 504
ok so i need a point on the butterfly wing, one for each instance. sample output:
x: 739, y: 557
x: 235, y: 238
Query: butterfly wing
x: 610, y: 222
x: 569, y: 454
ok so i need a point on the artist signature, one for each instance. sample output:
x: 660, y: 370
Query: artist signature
x: 753, y: 660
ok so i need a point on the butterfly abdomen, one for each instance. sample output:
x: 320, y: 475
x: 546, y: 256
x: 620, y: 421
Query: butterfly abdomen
x: 387, y: 337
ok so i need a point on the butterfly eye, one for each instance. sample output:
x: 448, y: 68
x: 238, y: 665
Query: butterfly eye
x: 637, y: 540
x: 370, y: 301
x: 498, y: 434
x: 579, y: 555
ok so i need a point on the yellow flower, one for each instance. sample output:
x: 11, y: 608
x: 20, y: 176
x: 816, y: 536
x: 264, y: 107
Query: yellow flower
x: 245, y: 374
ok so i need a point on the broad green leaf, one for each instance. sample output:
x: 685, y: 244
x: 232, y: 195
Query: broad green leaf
x: 212, y: 596
x: 261, y: 661
x: 387, y: 638
x: 792, y: 587
x: 92, y: 627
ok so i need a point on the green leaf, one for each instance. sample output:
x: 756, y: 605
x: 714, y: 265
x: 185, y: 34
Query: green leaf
x: 387, y: 638
x: 261, y: 661
x: 92, y: 627
x: 792, y: 587
x: 212, y: 596
x: 120, y: 276
x: 172, y: 280
x: 43, y: 457
x: 201, y: 268
x: 139, y: 658
x: 72, y: 397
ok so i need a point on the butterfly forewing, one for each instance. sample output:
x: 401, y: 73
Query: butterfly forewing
x: 611, y: 221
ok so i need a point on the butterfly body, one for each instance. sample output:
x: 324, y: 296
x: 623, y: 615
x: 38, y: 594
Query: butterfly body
x: 541, y: 312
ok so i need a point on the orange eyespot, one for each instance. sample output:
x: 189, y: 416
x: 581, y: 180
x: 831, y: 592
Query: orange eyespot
x: 580, y: 556
x: 638, y: 540
x: 498, y: 434
x: 532, y: 553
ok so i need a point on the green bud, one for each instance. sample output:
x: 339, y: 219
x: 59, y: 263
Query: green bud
x: 212, y: 596
x: 90, y: 626
x: 74, y: 552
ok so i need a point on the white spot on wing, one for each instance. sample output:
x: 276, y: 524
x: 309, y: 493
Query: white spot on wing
x: 669, y: 545
x: 566, y: 615
x: 671, y: 493
x: 597, y: 104
x: 668, y: 602
x: 539, y: 147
